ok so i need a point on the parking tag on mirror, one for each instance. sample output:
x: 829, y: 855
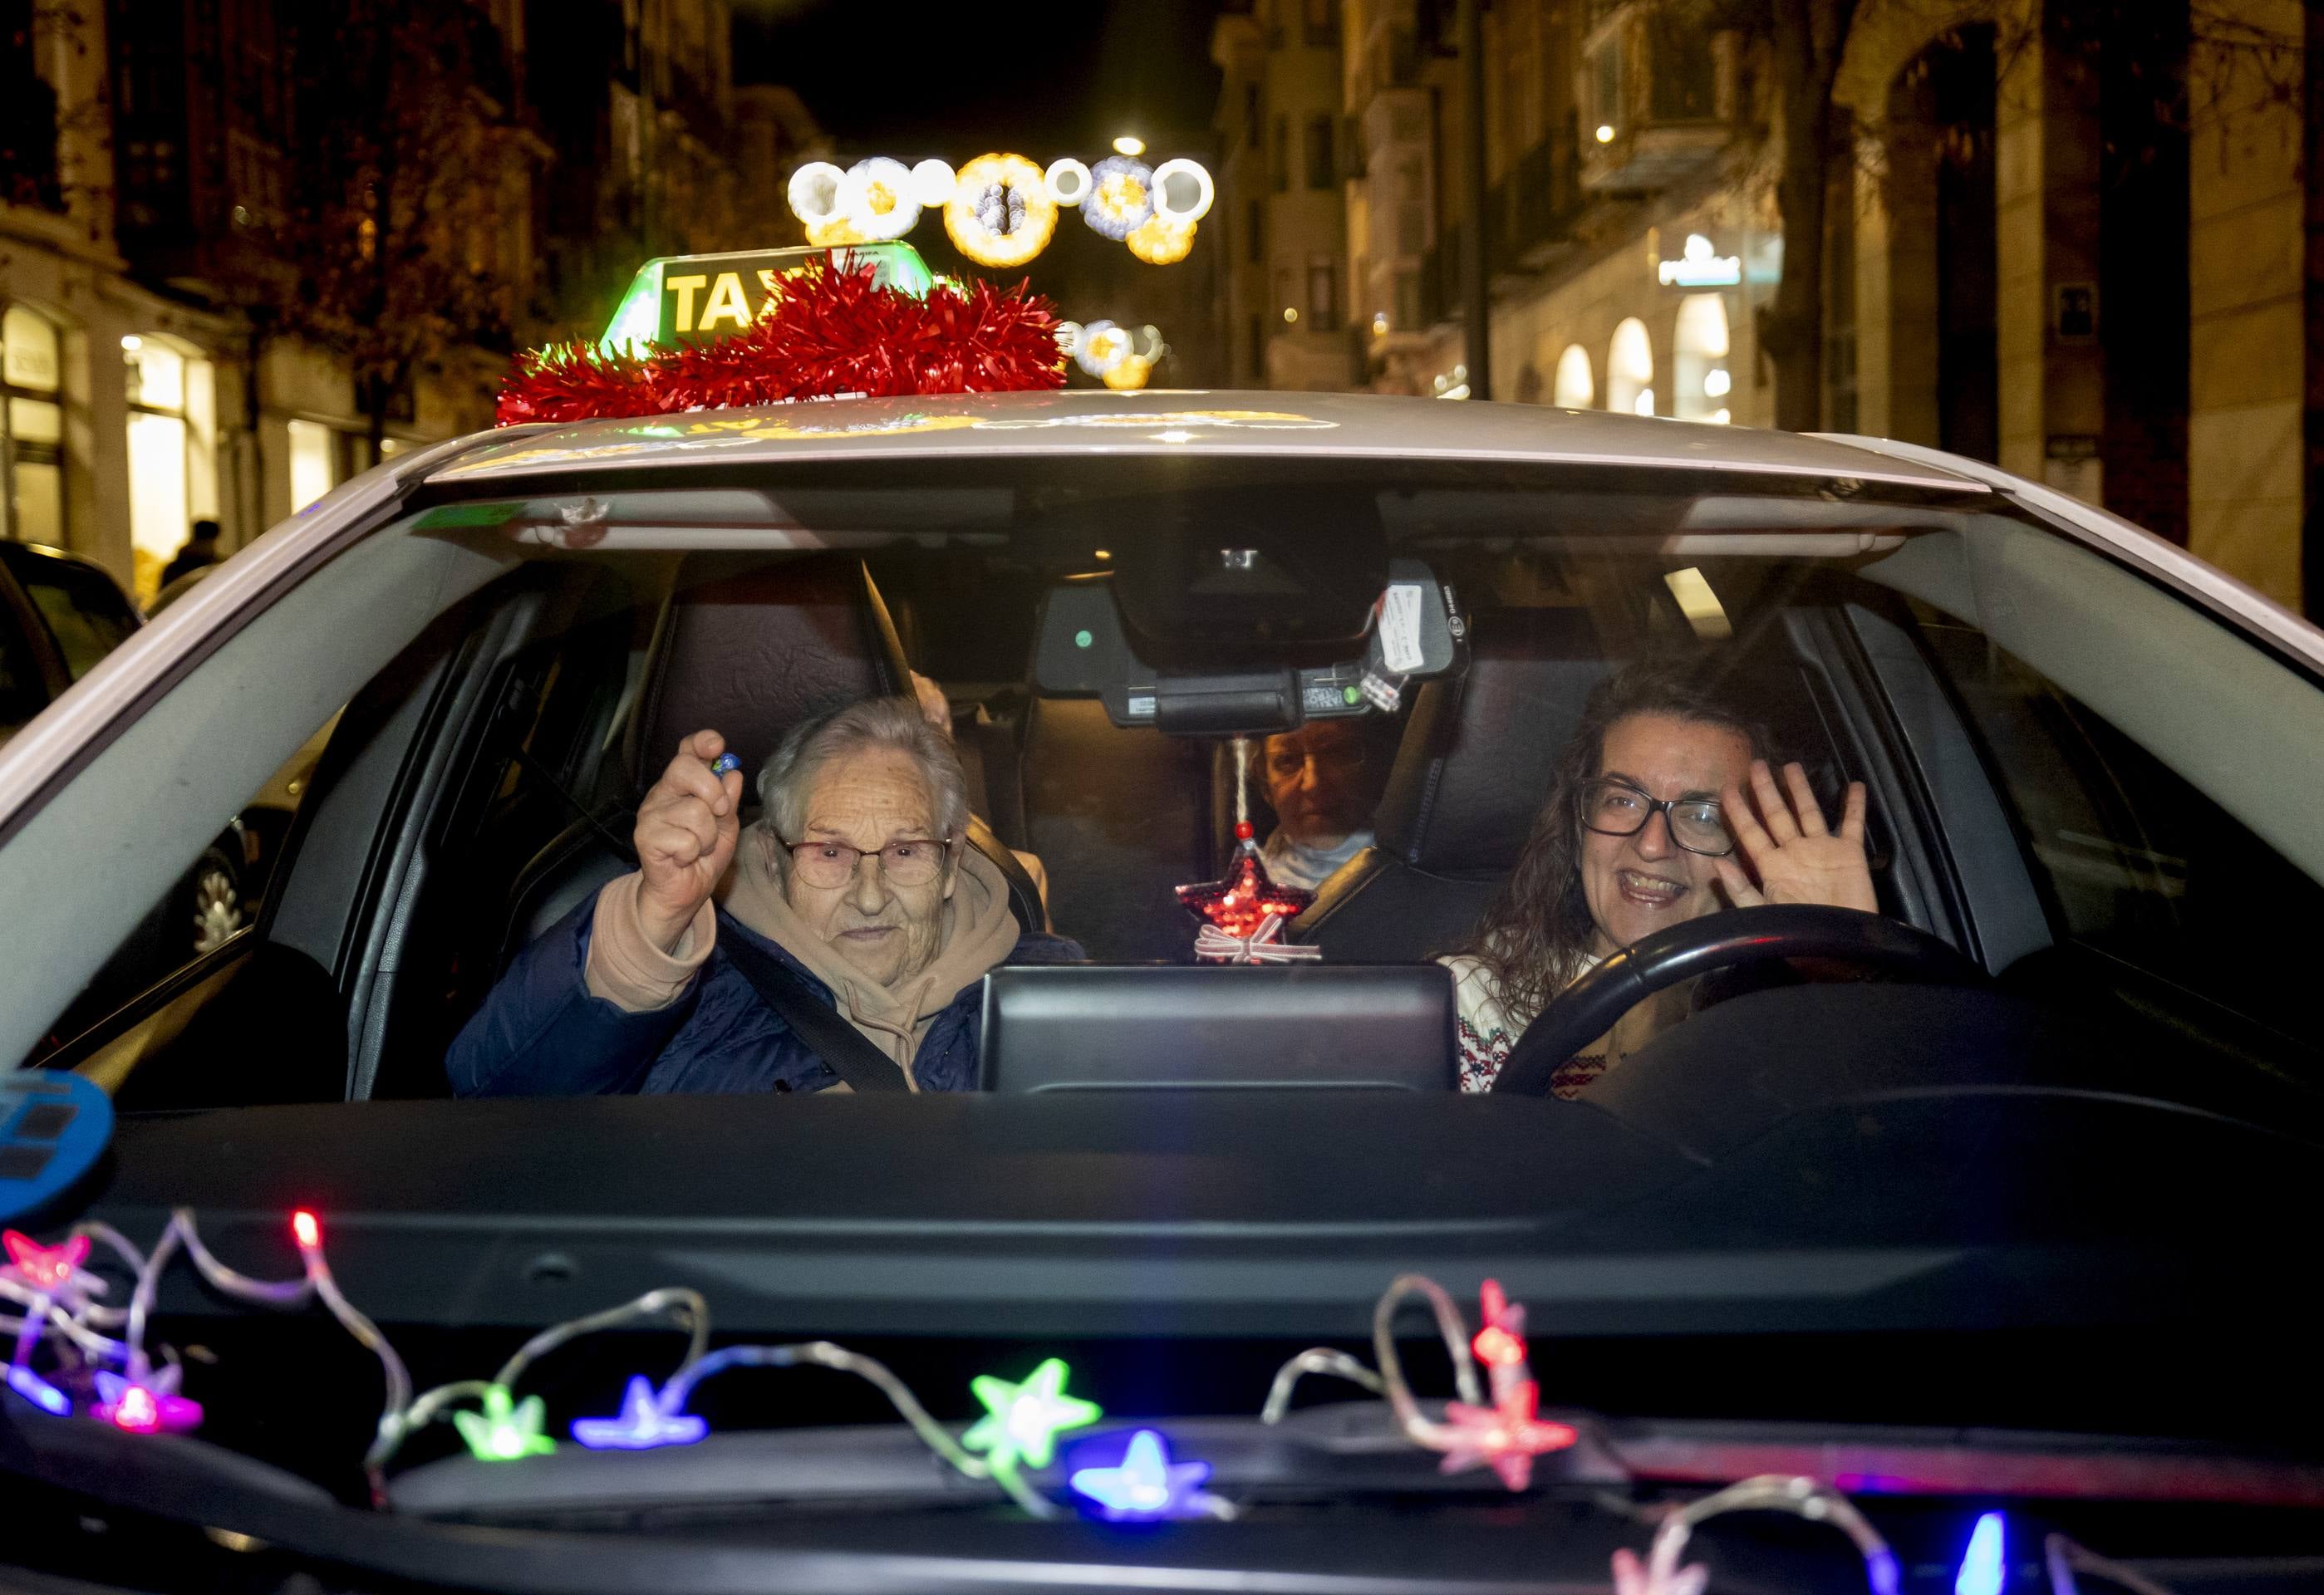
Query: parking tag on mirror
x: 1384, y: 695
x: 1399, y: 628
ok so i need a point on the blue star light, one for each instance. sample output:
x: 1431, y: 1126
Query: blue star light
x: 641, y: 1425
x: 1146, y: 1486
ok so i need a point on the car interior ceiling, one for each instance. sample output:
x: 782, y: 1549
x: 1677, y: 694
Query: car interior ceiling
x: 482, y: 787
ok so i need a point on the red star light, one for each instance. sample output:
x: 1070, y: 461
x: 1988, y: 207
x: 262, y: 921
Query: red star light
x: 1245, y: 899
x: 46, y: 1269
x: 1501, y: 1343
x: 1506, y: 1435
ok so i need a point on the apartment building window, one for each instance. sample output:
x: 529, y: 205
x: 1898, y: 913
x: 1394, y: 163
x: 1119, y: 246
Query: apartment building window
x: 28, y: 117
x: 1407, y: 300
x: 1324, y: 293
x: 1251, y: 115
x: 1682, y: 82
x: 1258, y: 366
x: 1254, y: 232
x: 1319, y: 152
x: 32, y: 427
x: 1323, y: 22
x: 1279, y: 161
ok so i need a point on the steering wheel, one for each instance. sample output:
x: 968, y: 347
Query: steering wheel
x: 1588, y: 1009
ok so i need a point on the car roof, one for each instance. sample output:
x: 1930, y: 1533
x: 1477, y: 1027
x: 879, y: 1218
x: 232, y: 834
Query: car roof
x: 1089, y: 421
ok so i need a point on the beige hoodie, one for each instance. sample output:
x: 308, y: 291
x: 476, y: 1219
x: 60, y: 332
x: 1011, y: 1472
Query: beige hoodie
x: 979, y: 931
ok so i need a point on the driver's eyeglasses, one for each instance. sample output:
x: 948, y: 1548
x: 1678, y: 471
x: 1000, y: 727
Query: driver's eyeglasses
x: 1617, y: 809
x: 1285, y: 764
x: 902, y: 864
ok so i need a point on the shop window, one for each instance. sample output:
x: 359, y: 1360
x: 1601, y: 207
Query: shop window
x: 1606, y: 117
x: 32, y: 427
x: 172, y: 453
x: 1630, y: 370
x: 1700, y: 384
x: 314, y: 463
x: 1573, y: 388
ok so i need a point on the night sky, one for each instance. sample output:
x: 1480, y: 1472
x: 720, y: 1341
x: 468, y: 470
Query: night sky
x: 1040, y: 78
x: 1043, y: 78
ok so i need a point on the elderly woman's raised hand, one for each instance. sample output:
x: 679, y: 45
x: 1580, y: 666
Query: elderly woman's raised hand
x: 686, y: 833
x: 1793, y: 856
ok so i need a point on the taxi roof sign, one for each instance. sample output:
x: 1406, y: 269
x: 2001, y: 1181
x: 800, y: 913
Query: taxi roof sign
x: 684, y: 298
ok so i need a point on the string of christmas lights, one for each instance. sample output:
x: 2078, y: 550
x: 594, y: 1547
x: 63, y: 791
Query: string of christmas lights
x: 1493, y: 1422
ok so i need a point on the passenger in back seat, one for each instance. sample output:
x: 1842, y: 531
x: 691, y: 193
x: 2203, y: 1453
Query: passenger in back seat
x: 855, y: 881
x: 1322, y: 790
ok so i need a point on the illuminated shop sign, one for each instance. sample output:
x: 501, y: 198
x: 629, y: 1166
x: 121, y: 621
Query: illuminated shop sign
x: 1701, y: 267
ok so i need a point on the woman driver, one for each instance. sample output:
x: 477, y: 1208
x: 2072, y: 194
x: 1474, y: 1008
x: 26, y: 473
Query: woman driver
x: 1641, y: 830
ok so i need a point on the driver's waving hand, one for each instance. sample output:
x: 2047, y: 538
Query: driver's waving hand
x: 1663, y: 807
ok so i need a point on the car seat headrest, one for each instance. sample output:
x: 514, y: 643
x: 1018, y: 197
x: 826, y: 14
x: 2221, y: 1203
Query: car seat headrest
x: 1479, y: 748
x: 750, y: 649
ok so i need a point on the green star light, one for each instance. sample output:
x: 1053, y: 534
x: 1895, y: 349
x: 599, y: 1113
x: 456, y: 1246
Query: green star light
x: 506, y: 1429
x: 1023, y: 1422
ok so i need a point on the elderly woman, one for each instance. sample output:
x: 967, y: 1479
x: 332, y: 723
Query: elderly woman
x: 1647, y: 824
x: 855, y: 881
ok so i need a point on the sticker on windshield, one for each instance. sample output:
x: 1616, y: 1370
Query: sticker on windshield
x: 1399, y: 629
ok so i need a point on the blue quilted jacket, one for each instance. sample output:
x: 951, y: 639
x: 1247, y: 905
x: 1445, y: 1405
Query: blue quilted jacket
x: 542, y: 1033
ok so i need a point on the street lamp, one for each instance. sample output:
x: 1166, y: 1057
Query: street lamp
x: 1128, y: 145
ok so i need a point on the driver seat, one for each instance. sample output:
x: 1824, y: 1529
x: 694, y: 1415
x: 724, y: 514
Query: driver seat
x: 750, y: 649
x: 1468, y: 778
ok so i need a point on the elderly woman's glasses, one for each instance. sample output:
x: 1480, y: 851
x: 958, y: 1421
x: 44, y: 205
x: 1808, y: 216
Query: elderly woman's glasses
x: 1617, y: 809
x: 831, y: 864
x: 1287, y: 764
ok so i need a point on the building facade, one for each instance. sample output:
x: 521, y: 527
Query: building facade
x: 157, y: 362
x: 1282, y: 213
x: 2063, y: 235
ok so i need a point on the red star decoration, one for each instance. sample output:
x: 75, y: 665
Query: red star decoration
x: 1245, y: 898
x: 1507, y: 1434
x: 45, y: 1268
x: 1501, y: 1343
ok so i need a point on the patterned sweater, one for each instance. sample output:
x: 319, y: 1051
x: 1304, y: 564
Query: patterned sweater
x: 1485, y: 1032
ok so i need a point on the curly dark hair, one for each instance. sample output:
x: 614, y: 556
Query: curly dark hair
x: 1533, y: 935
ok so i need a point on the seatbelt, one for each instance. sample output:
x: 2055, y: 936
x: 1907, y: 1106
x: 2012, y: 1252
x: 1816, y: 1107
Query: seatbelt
x: 828, y: 1034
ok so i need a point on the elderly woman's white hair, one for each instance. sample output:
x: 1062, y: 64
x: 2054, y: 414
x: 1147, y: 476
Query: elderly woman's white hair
x: 863, y: 726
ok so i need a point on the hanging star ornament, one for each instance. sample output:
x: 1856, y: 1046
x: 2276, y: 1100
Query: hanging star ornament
x: 641, y: 1425
x: 1245, y: 910
x: 506, y: 1429
x: 1506, y: 1435
x: 1021, y: 1422
x: 1147, y: 1486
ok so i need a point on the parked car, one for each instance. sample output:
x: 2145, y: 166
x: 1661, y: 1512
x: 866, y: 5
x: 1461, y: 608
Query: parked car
x: 2013, y: 1230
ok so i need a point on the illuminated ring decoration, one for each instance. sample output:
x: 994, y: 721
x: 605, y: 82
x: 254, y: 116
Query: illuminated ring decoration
x: 1001, y: 214
x: 1160, y: 242
x: 816, y: 193
x: 878, y: 198
x: 1128, y: 373
x: 1171, y: 177
x: 1067, y: 181
x: 1102, y: 347
x: 933, y: 181
x: 1121, y: 198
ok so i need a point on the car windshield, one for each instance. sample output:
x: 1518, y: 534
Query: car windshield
x: 1090, y: 896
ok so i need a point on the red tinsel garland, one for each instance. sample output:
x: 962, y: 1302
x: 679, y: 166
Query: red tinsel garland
x: 831, y: 332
